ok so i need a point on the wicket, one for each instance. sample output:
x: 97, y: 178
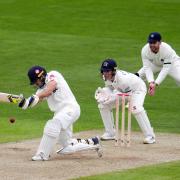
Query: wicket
x: 125, y: 138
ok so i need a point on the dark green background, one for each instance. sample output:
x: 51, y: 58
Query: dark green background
x: 73, y: 37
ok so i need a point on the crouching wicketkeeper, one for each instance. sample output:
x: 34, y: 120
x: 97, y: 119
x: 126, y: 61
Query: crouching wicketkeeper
x: 118, y: 81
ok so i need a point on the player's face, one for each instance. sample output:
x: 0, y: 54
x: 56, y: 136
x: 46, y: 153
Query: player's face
x: 155, y: 46
x: 38, y: 83
x: 108, y: 75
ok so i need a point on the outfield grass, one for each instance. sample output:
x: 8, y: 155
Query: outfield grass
x: 166, y: 171
x: 73, y: 37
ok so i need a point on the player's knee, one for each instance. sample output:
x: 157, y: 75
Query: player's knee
x: 52, y: 129
x: 137, y: 109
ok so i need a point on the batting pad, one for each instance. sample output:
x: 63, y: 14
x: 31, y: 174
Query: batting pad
x: 76, y: 148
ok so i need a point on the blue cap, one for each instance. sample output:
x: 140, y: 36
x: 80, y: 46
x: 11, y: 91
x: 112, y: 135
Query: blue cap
x: 154, y: 37
x: 108, y: 65
x: 36, y: 72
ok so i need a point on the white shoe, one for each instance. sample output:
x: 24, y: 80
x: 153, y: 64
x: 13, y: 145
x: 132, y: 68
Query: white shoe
x: 149, y: 140
x: 39, y: 157
x: 107, y: 136
x: 98, y: 146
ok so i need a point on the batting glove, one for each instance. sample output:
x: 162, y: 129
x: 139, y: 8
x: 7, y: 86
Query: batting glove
x: 23, y: 104
x: 30, y: 102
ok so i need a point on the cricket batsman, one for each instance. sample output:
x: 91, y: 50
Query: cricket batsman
x: 158, y: 58
x: 53, y: 88
x: 118, y: 81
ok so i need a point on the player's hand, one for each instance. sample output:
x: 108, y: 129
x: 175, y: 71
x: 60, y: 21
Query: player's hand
x: 23, y: 103
x: 111, y: 98
x: 30, y: 102
x: 33, y: 100
x: 152, y: 87
x: 98, y: 93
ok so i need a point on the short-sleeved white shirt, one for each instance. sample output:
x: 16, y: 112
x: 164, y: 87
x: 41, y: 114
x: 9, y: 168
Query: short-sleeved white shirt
x: 62, y: 96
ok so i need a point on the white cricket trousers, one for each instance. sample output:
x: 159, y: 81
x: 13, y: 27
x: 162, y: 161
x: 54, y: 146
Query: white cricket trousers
x: 58, y: 128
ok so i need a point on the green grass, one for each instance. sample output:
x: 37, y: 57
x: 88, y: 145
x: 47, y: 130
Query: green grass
x: 73, y: 37
x: 166, y: 171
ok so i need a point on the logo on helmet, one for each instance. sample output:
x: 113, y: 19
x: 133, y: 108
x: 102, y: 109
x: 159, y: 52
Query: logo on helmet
x: 105, y: 64
x: 37, y: 71
x: 152, y: 35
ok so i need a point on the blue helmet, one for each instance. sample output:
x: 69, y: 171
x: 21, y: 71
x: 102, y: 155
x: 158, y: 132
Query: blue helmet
x: 108, y: 65
x: 154, y: 37
x: 35, y: 73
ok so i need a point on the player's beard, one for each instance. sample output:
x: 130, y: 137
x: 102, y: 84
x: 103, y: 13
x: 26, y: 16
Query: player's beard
x: 154, y: 48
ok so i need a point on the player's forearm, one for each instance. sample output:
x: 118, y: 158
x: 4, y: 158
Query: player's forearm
x: 44, y: 94
x: 147, y: 69
x: 51, y: 86
x: 149, y: 74
x: 162, y: 75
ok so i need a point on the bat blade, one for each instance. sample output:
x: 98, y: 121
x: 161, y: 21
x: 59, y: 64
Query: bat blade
x: 10, y: 98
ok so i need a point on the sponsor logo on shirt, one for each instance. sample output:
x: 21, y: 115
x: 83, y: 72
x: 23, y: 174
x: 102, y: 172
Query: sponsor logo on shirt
x: 51, y: 77
x: 134, y: 108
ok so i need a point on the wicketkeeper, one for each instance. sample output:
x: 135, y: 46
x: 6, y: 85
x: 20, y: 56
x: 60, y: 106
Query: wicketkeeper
x: 118, y: 81
x: 53, y: 88
x: 158, y: 58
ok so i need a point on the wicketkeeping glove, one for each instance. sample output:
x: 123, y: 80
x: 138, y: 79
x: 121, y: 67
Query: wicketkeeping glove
x: 111, y: 98
x: 101, y: 95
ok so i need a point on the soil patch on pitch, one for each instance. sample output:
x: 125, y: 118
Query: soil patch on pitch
x: 16, y: 164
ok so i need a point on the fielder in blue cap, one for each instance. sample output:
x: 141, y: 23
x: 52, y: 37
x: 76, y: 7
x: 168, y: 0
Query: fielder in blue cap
x: 158, y: 58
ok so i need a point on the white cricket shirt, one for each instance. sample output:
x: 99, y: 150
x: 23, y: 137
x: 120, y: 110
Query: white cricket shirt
x: 163, y: 59
x: 126, y: 82
x: 62, y: 96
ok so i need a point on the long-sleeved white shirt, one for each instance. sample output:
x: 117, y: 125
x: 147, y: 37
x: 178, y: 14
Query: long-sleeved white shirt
x: 163, y: 59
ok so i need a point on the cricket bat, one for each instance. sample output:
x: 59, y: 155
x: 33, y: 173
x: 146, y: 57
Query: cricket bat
x: 10, y: 98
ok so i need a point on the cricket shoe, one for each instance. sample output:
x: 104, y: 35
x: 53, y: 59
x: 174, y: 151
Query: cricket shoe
x: 149, y: 140
x: 108, y: 136
x: 39, y: 157
x: 98, y: 147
